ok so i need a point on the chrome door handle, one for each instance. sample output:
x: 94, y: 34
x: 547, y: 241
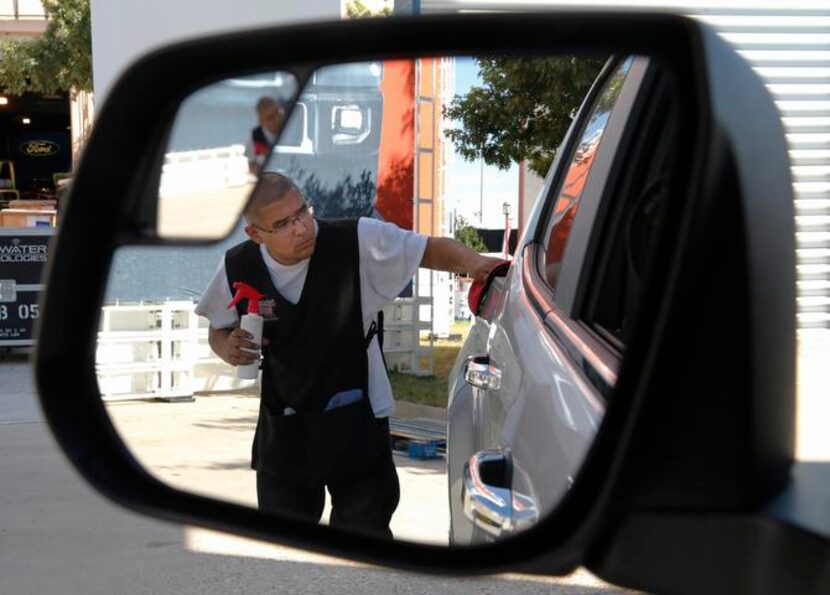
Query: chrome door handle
x: 481, y: 374
x: 486, y: 495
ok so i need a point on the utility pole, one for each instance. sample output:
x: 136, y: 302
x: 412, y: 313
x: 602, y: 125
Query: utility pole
x: 506, y: 242
x: 481, y: 194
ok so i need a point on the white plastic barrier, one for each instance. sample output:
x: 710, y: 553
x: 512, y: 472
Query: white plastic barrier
x: 160, y: 350
x: 202, y: 170
x: 146, y: 351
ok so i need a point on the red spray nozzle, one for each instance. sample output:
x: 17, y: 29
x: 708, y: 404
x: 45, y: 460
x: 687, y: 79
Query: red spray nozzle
x: 246, y: 292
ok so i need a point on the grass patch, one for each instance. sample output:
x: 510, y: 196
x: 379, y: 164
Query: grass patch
x: 432, y: 390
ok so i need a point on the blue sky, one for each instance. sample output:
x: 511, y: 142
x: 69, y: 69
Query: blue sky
x: 464, y: 188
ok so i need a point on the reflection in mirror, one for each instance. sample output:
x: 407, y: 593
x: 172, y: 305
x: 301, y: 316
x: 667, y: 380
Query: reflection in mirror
x: 220, y: 137
x: 492, y: 417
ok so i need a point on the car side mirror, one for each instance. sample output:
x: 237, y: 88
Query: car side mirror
x: 478, y: 290
x: 698, y: 414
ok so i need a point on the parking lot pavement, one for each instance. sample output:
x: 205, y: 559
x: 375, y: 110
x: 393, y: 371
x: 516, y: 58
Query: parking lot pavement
x: 204, y: 446
x: 58, y: 536
x: 17, y: 402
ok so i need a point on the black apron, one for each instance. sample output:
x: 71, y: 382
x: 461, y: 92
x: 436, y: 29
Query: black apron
x: 316, y: 350
x: 258, y: 136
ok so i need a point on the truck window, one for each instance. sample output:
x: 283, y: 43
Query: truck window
x: 570, y: 193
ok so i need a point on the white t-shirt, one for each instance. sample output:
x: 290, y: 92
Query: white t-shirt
x: 389, y: 258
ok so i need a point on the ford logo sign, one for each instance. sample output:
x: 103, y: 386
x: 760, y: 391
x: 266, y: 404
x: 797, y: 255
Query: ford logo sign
x: 39, y: 148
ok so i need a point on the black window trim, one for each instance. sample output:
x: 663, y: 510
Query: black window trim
x: 571, y: 142
x: 531, y: 280
x: 587, y: 291
x: 599, y: 183
x: 606, y: 336
x: 598, y: 359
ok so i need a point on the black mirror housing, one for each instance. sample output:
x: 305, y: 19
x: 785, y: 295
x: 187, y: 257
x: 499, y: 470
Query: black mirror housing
x: 721, y: 304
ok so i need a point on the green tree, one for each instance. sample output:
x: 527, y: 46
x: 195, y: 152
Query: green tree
x: 468, y: 235
x: 59, y: 60
x: 522, y: 109
x: 356, y: 9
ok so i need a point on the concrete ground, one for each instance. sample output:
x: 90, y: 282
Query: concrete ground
x: 205, y: 446
x: 58, y: 536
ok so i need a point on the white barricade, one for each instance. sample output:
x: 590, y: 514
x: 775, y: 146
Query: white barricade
x: 160, y: 350
x: 202, y: 170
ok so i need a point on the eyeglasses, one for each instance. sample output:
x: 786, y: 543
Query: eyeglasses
x: 283, y: 225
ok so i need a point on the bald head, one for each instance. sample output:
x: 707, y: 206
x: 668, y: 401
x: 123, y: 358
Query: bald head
x: 280, y: 219
x: 272, y: 187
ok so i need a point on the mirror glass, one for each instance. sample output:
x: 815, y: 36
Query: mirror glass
x: 444, y: 428
x: 212, y: 156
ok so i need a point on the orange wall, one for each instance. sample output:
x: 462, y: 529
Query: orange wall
x: 396, y: 159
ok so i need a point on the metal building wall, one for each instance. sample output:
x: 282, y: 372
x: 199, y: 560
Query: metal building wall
x: 788, y: 44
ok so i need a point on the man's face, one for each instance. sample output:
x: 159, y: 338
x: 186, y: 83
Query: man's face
x: 271, y: 118
x: 286, y: 227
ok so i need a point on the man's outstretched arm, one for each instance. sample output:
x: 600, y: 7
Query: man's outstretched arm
x: 447, y: 254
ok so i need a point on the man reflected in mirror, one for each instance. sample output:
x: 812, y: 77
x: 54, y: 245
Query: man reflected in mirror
x: 271, y: 116
x: 325, y: 396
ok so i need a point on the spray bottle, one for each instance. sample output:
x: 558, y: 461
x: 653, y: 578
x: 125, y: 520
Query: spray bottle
x: 251, y: 322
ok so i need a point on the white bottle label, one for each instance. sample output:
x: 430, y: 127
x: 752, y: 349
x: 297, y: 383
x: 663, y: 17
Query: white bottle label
x: 253, y: 324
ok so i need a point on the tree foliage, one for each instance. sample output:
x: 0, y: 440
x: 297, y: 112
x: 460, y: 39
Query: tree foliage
x: 522, y: 109
x: 468, y: 235
x: 59, y: 60
x: 356, y: 9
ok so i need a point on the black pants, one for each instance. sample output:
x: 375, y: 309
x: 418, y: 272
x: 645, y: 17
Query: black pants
x: 365, y: 504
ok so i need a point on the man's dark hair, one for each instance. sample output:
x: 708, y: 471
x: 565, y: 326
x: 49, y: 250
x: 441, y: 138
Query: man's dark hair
x: 271, y: 188
x: 265, y: 101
